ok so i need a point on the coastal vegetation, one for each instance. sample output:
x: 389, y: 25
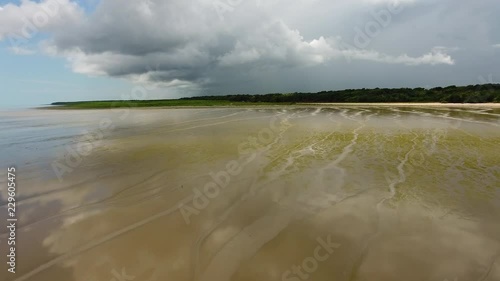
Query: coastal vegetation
x: 487, y: 93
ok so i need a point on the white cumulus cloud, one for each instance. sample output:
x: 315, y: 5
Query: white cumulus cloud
x: 197, y: 44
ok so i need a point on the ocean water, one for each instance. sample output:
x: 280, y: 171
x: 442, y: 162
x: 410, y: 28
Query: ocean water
x: 264, y: 193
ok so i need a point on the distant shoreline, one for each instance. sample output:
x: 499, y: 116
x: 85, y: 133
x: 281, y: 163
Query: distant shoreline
x: 256, y: 105
x: 452, y: 96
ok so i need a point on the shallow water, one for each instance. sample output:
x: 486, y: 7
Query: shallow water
x: 279, y: 193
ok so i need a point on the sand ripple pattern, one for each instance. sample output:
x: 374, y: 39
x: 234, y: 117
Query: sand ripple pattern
x: 409, y: 193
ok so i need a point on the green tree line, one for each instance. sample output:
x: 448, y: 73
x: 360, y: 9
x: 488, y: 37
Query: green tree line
x: 452, y: 94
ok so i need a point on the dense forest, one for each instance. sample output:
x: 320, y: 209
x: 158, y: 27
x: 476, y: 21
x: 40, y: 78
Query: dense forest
x: 452, y: 94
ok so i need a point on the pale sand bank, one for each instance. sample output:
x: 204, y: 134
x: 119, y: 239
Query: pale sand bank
x: 295, y: 105
x: 432, y: 104
x: 244, y: 194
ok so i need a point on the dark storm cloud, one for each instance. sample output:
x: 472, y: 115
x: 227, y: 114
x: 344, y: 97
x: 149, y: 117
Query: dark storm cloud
x: 222, y: 46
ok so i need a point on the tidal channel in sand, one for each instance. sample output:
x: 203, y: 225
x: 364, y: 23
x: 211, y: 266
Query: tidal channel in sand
x: 325, y: 192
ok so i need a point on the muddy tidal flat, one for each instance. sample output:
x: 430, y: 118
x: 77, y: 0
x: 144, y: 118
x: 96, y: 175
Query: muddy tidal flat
x: 318, y: 192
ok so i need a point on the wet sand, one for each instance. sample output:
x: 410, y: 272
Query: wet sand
x: 335, y: 192
x: 418, y: 104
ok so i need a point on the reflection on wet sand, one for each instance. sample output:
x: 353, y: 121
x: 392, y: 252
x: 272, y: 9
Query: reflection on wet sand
x: 403, y: 193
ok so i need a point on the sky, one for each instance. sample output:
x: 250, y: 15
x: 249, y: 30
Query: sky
x: 62, y: 50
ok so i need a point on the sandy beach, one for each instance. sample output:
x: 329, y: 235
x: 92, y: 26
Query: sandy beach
x: 329, y: 192
x: 399, y: 104
x: 231, y: 140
